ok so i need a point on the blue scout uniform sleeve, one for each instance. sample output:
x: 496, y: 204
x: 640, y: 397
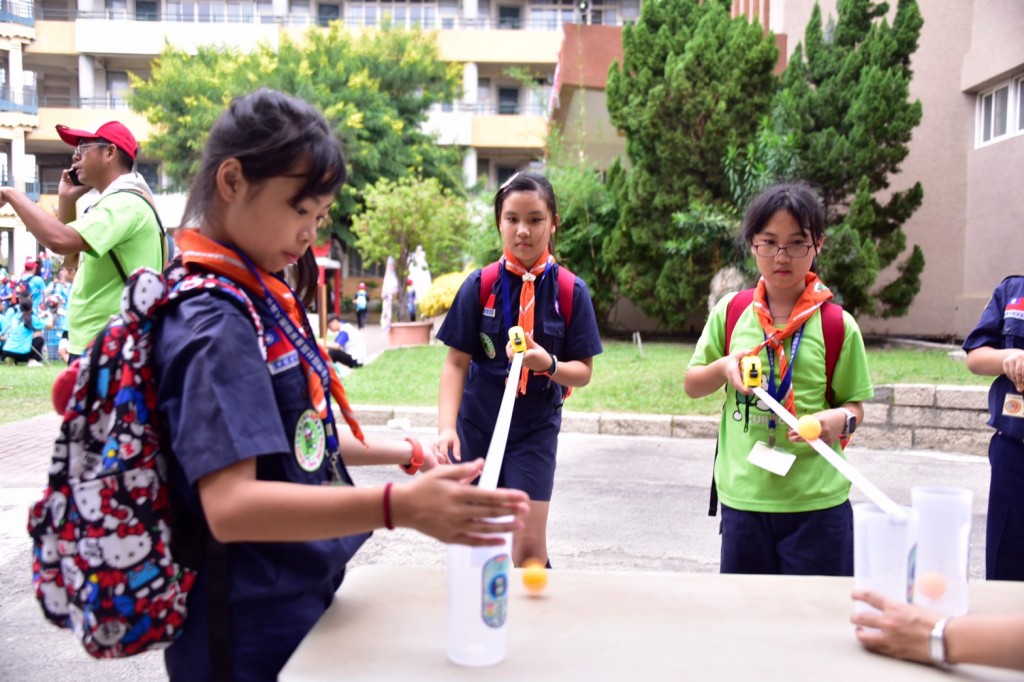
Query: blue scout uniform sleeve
x: 1001, y: 326
x: 582, y: 339
x: 461, y: 329
x: 215, y: 391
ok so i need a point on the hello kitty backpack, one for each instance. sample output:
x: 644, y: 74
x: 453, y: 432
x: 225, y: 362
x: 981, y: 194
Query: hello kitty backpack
x: 102, y: 562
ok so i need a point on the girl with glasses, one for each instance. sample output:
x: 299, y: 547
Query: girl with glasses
x: 799, y: 523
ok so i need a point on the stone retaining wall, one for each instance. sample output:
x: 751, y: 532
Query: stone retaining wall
x: 899, y: 417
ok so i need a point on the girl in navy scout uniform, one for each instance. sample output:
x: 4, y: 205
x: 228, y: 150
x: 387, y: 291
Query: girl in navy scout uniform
x: 558, y: 356
x: 253, y: 436
x: 799, y: 523
x: 996, y: 348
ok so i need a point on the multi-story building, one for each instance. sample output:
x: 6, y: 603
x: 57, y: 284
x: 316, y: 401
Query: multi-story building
x: 68, y: 62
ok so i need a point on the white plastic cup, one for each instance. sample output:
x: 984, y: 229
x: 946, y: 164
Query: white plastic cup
x: 478, y: 585
x: 943, y: 547
x: 883, y: 553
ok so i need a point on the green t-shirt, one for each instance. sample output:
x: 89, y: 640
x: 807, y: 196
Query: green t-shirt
x: 121, y: 221
x: 812, y: 483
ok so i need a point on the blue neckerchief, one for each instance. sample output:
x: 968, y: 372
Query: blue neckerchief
x: 780, y: 393
x: 304, y: 346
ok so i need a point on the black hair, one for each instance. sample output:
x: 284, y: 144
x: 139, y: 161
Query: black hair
x: 333, y: 318
x: 527, y: 181
x: 797, y: 199
x: 124, y: 159
x: 25, y: 302
x: 272, y: 135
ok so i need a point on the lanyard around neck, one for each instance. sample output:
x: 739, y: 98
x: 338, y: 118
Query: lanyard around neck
x: 786, y: 381
x: 303, y: 345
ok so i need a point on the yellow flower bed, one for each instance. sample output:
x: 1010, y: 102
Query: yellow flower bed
x: 441, y: 294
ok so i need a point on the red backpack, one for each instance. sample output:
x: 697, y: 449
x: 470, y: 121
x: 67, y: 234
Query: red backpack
x: 566, y: 281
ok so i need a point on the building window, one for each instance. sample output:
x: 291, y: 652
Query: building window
x: 509, y: 17
x: 504, y: 173
x: 117, y: 9
x: 327, y: 13
x: 150, y: 172
x: 146, y: 10
x: 298, y: 12
x: 118, y: 88
x: 993, y: 114
x: 508, y: 101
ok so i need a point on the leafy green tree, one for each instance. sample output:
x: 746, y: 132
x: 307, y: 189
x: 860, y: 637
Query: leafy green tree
x: 589, y: 211
x: 846, y: 102
x: 693, y: 83
x: 401, y: 215
x: 374, y: 87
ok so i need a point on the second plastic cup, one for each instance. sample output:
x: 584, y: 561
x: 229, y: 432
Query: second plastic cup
x: 883, y: 553
x: 943, y: 547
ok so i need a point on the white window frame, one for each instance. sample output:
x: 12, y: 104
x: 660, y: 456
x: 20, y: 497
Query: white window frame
x: 1018, y: 101
x: 987, y: 115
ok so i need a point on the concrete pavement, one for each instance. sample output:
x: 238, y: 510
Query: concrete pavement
x: 621, y: 503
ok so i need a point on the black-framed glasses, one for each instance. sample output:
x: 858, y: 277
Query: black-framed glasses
x: 82, y: 146
x: 792, y: 250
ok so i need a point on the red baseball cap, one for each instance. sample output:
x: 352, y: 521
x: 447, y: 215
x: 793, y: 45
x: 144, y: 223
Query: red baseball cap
x: 114, y: 132
x: 30, y: 263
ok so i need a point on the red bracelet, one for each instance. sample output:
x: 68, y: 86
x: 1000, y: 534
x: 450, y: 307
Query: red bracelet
x: 387, y: 506
x: 417, y: 457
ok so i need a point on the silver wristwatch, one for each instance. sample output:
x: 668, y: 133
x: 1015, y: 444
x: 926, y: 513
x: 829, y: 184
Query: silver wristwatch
x: 851, y: 421
x: 937, y: 643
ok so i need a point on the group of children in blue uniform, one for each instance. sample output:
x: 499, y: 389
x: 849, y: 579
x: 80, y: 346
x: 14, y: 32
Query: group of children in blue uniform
x: 256, y: 452
x: 33, y: 314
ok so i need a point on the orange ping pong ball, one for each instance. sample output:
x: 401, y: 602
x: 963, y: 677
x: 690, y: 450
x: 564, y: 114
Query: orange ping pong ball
x: 808, y: 427
x: 931, y: 585
x: 535, y: 576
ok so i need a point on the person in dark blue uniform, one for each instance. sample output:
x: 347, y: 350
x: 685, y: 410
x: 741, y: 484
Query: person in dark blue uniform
x: 996, y: 348
x: 251, y: 429
x: 559, y: 355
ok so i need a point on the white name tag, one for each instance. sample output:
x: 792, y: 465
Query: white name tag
x: 770, y: 459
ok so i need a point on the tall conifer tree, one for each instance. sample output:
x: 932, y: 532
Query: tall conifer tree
x: 846, y: 102
x: 693, y: 83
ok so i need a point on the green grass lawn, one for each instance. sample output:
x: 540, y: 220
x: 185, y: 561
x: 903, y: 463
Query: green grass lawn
x: 624, y: 380
x: 627, y: 381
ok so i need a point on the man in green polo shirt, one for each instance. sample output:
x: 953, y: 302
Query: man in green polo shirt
x: 116, y: 235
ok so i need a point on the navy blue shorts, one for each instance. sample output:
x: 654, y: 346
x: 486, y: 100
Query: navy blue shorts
x: 799, y: 543
x: 1004, y: 529
x: 529, y: 461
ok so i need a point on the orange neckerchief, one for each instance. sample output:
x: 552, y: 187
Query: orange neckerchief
x: 527, y: 297
x: 815, y: 293
x: 203, y: 251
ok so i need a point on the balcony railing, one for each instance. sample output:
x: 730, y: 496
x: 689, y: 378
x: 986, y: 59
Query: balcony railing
x: 495, y: 109
x: 17, y: 12
x: 23, y: 100
x: 69, y: 102
x: 427, y: 23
